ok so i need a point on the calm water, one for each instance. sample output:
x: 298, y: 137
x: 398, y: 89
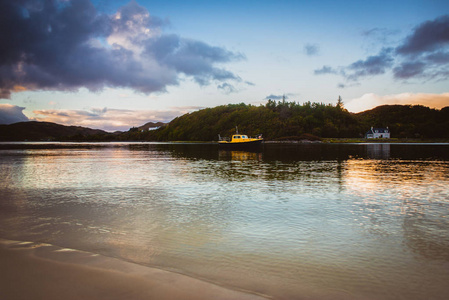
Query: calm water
x: 292, y: 221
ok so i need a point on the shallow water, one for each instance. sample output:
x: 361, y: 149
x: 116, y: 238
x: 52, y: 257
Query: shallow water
x: 315, y: 221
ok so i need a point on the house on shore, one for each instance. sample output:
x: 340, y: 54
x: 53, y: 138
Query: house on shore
x: 378, y: 133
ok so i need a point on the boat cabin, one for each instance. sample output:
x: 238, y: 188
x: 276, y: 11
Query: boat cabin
x: 239, y: 137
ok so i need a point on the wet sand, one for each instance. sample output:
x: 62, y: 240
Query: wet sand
x: 41, y: 271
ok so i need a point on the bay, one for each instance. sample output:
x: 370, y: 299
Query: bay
x: 292, y: 221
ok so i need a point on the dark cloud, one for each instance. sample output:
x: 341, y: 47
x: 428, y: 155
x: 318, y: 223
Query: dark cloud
x: 10, y: 114
x: 372, y: 65
x: 311, y: 49
x: 427, y: 37
x: 423, y: 55
x: 409, y: 70
x: 65, y: 45
x: 438, y: 57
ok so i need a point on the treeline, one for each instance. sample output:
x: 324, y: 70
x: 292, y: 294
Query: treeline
x: 280, y: 119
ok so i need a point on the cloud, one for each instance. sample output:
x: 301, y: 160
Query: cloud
x: 378, y: 36
x: 424, y: 55
x: 66, y: 45
x: 325, y: 70
x: 347, y: 85
x: 408, y: 70
x: 372, y: 65
x: 227, y: 88
x: 369, y: 101
x: 427, y: 37
x: 276, y: 97
x: 311, y: 49
x: 10, y: 114
x: 379, y: 33
x: 425, y: 52
x: 109, y: 119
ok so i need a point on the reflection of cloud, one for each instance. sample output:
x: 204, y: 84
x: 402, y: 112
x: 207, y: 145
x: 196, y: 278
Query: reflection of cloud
x: 109, y: 119
x: 411, y: 192
x: 368, y: 101
x: 11, y: 114
x: 68, y: 46
x: 426, y: 233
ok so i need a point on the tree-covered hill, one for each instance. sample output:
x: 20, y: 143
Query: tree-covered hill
x: 282, y: 119
x: 408, y: 121
x: 274, y: 120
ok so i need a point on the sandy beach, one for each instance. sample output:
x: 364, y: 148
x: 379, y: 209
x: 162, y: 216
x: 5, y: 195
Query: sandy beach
x: 41, y: 271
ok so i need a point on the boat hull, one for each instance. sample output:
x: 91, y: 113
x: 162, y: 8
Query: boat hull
x: 240, y: 145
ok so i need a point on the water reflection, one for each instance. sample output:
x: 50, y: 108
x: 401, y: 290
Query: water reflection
x: 378, y: 151
x: 425, y: 231
x: 412, y: 191
x: 239, y: 155
x: 289, y: 221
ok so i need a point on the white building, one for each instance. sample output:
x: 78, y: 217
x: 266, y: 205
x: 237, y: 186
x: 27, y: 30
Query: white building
x: 378, y: 133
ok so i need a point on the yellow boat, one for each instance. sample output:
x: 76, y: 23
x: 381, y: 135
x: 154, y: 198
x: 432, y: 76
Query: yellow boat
x: 240, y: 141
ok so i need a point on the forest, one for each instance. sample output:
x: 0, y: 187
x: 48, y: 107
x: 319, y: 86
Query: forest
x: 290, y: 120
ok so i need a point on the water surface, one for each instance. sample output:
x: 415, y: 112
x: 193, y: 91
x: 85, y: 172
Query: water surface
x: 315, y: 221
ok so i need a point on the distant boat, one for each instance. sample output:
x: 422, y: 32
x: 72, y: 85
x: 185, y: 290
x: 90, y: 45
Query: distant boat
x: 239, y: 141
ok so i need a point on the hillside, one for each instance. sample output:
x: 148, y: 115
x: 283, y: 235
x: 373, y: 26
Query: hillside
x: 277, y: 120
x: 408, y: 121
x: 274, y: 120
x: 44, y: 131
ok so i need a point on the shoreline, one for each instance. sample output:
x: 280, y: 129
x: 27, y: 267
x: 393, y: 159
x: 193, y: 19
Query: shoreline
x: 275, y: 141
x: 31, y: 270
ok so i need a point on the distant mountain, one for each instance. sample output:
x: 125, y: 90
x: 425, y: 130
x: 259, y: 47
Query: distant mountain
x: 44, y: 131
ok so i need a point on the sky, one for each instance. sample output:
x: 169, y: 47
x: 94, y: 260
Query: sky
x: 113, y: 65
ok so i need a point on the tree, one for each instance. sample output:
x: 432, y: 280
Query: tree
x: 340, y: 104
